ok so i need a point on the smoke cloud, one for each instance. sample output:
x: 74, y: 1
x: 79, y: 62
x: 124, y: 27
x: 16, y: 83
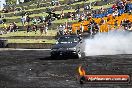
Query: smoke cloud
x: 112, y: 43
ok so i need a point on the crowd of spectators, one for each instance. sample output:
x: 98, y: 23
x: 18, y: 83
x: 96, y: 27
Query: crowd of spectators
x: 93, y: 27
x: 119, y: 8
x: 25, y: 20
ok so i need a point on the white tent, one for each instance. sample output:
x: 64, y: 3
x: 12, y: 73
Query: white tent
x: 19, y: 1
x: 2, y: 2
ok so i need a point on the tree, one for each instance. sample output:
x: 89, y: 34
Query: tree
x: 11, y: 1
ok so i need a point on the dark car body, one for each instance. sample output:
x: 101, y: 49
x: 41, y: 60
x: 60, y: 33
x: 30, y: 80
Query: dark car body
x: 65, y: 46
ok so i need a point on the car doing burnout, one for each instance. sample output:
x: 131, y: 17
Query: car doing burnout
x: 67, y: 45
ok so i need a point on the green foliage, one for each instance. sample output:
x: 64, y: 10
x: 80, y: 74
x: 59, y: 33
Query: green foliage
x: 11, y: 1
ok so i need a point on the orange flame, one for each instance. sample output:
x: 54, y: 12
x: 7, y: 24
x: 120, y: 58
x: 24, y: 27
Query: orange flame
x: 81, y: 71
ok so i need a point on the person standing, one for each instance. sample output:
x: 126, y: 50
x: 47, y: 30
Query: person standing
x: 23, y: 21
x: 28, y: 28
x: 34, y: 28
x: 81, y: 28
x: 28, y: 19
x: 11, y: 27
x: 46, y: 29
x: 42, y: 29
x: 14, y: 27
x: 60, y: 30
x: 5, y: 27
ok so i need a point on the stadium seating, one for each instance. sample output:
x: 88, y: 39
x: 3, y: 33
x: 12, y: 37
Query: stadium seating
x: 109, y: 25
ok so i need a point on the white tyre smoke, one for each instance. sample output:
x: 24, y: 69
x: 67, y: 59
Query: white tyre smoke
x: 111, y: 43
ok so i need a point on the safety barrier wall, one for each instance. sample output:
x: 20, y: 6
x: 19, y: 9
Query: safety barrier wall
x: 30, y: 45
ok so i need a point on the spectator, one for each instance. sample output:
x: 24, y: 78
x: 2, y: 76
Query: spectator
x: 28, y: 19
x: 116, y: 24
x: 43, y: 18
x: 4, y: 20
x: 14, y: 27
x: 125, y: 24
x: 34, y: 28
x: 34, y: 21
x: 87, y: 7
x: 46, y: 29
x: 42, y: 29
x: 5, y: 26
x: 49, y: 22
x: 130, y: 27
x: 52, y: 3
x: 78, y: 31
x: 115, y: 13
x: 1, y: 32
x: 114, y: 7
x: 63, y: 28
x: 77, y: 9
x: 28, y: 28
x: 23, y: 21
x: 62, y: 14
x: 57, y: 2
x: 96, y: 26
x: 81, y: 28
x: 120, y: 5
x: 70, y: 29
x: 102, y: 9
x: 11, y: 27
x: 1, y: 21
x: 61, y: 31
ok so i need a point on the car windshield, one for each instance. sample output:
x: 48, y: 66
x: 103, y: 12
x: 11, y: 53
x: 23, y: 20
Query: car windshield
x: 68, y: 39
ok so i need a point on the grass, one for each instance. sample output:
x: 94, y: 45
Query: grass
x: 44, y: 14
x: 42, y: 8
x: 104, y: 6
x: 58, y: 12
x: 60, y: 5
x: 50, y: 32
x: 64, y: 20
x: 56, y: 21
x: 53, y: 41
x: 24, y: 33
x: 33, y: 15
x: 85, y: 2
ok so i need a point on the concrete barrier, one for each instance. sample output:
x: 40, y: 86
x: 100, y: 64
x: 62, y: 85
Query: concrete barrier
x: 29, y: 37
x: 30, y: 45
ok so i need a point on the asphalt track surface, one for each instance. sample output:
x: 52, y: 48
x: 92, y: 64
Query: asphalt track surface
x: 35, y: 69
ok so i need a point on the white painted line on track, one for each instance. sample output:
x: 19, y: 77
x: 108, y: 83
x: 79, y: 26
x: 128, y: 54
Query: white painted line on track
x: 19, y: 49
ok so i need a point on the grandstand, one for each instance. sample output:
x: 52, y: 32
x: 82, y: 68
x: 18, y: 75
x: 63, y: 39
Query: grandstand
x: 60, y: 13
